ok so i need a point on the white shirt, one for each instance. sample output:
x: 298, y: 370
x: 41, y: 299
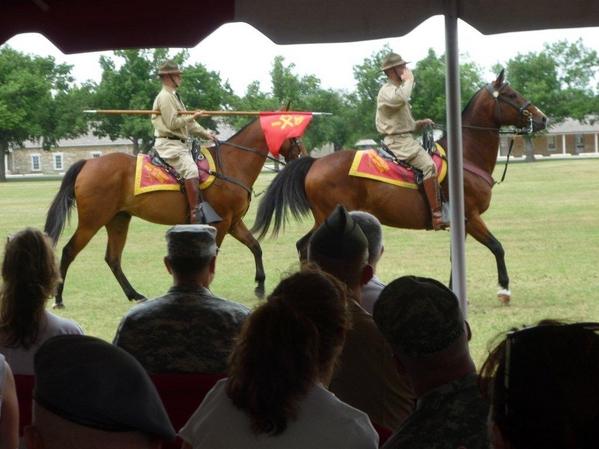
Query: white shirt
x: 370, y: 293
x: 21, y: 361
x: 323, y: 422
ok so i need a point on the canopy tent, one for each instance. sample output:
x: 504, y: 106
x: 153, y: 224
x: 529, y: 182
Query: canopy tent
x: 82, y: 26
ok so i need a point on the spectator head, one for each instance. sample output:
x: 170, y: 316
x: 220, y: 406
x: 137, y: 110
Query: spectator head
x: 89, y: 393
x: 340, y: 248
x: 286, y: 346
x: 30, y: 276
x: 420, y: 317
x: 543, y: 386
x: 371, y: 227
x: 191, y: 249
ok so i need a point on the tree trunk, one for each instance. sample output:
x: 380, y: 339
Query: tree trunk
x: 529, y: 149
x: 3, y: 153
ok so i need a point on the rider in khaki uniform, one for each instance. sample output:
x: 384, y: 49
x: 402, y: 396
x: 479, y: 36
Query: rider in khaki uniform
x: 395, y: 123
x: 172, y: 131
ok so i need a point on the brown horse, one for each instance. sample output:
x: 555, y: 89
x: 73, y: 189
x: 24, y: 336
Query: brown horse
x: 318, y: 185
x: 103, y: 189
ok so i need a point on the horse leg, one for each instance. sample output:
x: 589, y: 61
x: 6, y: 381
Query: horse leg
x: 479, y: 231
x: 78, y: 241
x: 243, y: 235
x: 302, y: 246
x: 117, y: 236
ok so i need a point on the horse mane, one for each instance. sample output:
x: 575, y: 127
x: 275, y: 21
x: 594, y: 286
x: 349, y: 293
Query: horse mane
x: 242, y: 129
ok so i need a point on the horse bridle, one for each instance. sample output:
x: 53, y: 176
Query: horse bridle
x: 522, y: 111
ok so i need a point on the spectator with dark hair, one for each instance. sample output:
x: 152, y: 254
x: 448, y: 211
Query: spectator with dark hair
x: 30, y: 276
x: 188, y: 330
x: 543, y: 386
x: 422, y: 320
x: 372, y: 229
x: 275, y: 395
x: 367, y: 378
x: 91, y: 394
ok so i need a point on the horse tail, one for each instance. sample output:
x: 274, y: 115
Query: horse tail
x: 63, y: 202
x: 286, y: 191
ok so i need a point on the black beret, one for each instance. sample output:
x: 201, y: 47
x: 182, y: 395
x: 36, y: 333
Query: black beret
x: 418, y: 316
x: 90, y: 382
x: 339, y: 237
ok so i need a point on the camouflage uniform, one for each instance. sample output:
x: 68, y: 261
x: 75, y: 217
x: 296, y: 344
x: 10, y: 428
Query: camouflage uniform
x: 452, y: 415
x: 187, y: 330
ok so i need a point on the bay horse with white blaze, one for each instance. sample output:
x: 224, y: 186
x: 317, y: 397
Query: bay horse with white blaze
x: 103, y: 189
x: 318, y: 185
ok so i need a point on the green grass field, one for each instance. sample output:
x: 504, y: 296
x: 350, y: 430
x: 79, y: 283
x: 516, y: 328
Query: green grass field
x: 545, y: 215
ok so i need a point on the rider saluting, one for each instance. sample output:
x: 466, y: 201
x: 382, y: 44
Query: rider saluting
x: 172, y: 131
x: 395, y: 123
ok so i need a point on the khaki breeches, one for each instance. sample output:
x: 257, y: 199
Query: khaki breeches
x: 177, y: 155
x: 407, y: 149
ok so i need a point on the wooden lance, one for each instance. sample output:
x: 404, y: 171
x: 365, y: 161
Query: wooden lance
x: 207, y: 113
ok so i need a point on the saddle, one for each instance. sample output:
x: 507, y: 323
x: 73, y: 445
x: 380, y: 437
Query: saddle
x: 196, y: 154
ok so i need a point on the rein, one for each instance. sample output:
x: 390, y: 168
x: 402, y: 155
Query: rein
x: 295, y: 145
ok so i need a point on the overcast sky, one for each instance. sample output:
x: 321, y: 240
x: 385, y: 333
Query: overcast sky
x: 241, y: 54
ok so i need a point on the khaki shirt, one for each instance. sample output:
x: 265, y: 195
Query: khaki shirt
x: 169, y: 123
x: 394, y: 113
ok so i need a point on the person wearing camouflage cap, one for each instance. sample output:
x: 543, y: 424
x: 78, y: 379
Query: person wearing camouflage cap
x: 187, y: 330
x: 422, y: 320
x: 367, y: 378
x: 395, y: 124
x: 172, y: 131
x: 89, y: 393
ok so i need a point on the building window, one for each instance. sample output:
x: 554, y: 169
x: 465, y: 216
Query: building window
x: 551, y: 144
x: 96, y: 154
x: 36, y: 162
x: 58, y: 161
x: 579, y: 139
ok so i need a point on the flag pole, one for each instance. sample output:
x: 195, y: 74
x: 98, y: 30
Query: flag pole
x: 206, y: 113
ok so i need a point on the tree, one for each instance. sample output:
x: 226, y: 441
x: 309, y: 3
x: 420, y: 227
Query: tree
x: 37, y: 100
x: 559, y: 81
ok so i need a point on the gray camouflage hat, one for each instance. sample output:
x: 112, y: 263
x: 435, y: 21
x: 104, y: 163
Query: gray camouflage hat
x: 339, y: 236
x: 418, y: 316
x: 191, y: 241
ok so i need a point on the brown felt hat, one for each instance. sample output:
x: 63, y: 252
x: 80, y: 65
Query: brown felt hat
x: 393, y: 60
x: 169, y: 67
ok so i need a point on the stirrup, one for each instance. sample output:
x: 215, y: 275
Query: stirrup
x: 205, y: 214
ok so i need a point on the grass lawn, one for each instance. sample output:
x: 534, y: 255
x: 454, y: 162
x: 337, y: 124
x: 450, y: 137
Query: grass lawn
x: 545, y: 214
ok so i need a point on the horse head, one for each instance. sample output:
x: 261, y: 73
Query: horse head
x: 513, y: 109
x: 293, y: 148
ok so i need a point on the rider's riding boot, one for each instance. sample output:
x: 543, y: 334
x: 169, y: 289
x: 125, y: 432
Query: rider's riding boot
x: 433, y: 195
x: 192, y: 186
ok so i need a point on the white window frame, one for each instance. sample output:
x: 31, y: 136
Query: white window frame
x: 58, y: 157
x: 39, y: 162
x: 96, y: 154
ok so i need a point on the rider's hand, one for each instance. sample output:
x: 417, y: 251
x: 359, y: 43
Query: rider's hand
x: 199, y: 114
x: 407, y: 75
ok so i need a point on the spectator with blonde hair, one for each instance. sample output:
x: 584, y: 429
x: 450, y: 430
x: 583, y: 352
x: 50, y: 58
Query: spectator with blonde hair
x: 30, y: 276
x: 275, y: 395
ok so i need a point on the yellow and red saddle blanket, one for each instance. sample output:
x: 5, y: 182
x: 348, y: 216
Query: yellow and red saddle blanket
x: 150, y: 177
x: 369, y: 164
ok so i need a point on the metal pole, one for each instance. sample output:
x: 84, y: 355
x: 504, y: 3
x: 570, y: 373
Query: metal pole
x: 455, y: 157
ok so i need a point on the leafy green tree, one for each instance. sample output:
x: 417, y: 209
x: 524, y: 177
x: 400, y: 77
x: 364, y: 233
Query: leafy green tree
x: 37, y: 100
x: 558, y: 80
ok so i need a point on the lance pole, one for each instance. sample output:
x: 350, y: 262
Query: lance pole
x: 207, y: 113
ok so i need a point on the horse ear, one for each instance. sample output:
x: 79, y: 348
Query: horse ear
x: 501, y: 78
x: 285, y: 108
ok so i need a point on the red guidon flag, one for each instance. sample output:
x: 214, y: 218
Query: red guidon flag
x: 278, y: 126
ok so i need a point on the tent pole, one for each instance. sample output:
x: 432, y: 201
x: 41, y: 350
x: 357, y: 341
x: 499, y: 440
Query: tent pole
x: 456, y: 163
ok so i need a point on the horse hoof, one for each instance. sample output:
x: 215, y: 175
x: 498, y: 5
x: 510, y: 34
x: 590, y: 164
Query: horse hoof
x: 259, y: 292
x: 58, y: 305
x: 504, y: 296
x: 140, y: 300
